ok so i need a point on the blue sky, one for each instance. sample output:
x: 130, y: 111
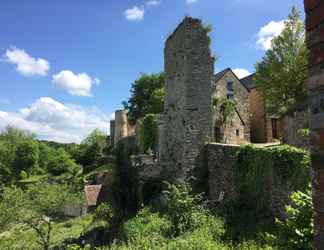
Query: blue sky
x: 65, y: 66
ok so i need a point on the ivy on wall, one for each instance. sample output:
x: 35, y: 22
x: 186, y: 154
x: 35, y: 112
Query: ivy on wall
x: 149, y: 133
x: 226, y: 108
x: 264, y: 178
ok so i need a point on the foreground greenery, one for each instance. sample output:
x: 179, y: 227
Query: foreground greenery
x: 182, y: 221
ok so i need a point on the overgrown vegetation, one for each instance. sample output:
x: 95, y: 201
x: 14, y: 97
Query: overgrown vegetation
x: 264, y: 177
x: 149, y: 133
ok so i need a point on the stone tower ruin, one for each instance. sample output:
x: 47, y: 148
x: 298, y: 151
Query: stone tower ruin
x: 189, y: 73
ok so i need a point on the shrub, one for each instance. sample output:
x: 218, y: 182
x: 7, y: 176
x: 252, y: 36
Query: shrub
x: 103, y: 212
x: 147, y: 229
x: 296, y: 232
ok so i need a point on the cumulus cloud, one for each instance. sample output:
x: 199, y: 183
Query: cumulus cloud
x: 241, y: 73
x: 191, y: 1
x: 268, y: 32
x: 26, y: 64
x: 134, y: 14
x: 75, y: 84
x: 153, y: 2
x: 55, y: 121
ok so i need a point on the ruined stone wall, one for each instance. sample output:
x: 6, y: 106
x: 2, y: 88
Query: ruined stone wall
x: 315, y: 42
x: 240, y: 120
x: 187, y: 111
x: 122, y: 127
x: 224, y: 161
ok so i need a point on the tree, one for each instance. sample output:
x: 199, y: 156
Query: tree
x: 36, y: 208
x: 27, y: 157
x: 60, y: 162
x: 147, y: 96
x: 92, y: 149
x: 282, y: 72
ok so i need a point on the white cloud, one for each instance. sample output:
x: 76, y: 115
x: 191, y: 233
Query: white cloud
x: 268, y: 32
x: 153, y: 2
x: 241, y: 73
x: 55, y: 121
x: 25, y: 64
x: 75, y: 84
x: 191, y: 1
x: 135, y: 14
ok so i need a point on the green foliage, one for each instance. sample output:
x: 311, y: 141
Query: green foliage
x: 92, y: 150
x: 22, y: 237
x: 149, y: 133
x: 60, y: 162
x: 303, y: 132
x: 296, y: 232
x: 260, y: 174
x: 147, y: 96
x: 103, y: 212
x: 147, y: 229
x: 36, y: 208
x: 226, y: 108
x: 183, y: 208
x: 18, y: 151
x: 125, y: 186
x: 27, y: 156
x: 282, y: 73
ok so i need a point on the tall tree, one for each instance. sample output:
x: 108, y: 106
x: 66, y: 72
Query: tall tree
x: 147, y: 96
x: 282, y: 72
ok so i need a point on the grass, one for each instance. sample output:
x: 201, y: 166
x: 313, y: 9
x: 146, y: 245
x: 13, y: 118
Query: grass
x: 21, y: 237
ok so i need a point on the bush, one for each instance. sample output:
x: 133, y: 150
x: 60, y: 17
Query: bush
x: 103, y: 212
x: 147, y: 229
x: 296, y: 232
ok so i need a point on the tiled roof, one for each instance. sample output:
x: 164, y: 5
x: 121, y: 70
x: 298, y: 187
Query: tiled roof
x: 248, y: 82
x: 220, y: 74
x: 91, y: 194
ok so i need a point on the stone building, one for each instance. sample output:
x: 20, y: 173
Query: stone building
x: 264, y: 127
x: 234, y: 129
x: 187, y: 109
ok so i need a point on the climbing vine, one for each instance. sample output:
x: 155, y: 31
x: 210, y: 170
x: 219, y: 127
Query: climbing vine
x: 226, y: 108
x: 149, y: 133
x: 264, y: 178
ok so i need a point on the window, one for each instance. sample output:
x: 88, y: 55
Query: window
x: 230, y: 87
x: 230, y: 91
x: 217, y: 134
x: 237, y: 132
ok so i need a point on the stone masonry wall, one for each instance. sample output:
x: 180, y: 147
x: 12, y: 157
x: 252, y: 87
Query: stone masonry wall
x: 315, y: 42
x: 187, y: 108
x: 221, y: 158
x: 122, y: 127
x: 241, y: 98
